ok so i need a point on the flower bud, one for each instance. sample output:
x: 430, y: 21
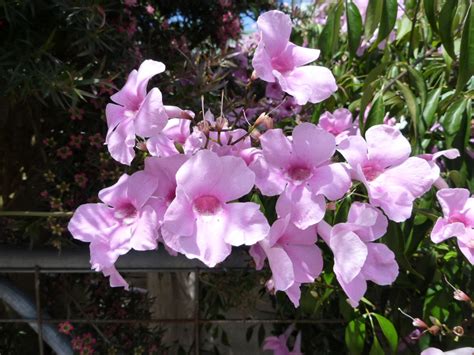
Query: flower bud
x: 221, y: 123
x: 254, y: 76
x: 204, y: 127
x: 417, y: 322
x: 434, y: 330
x: 461, y: 296
x: 265, y: 121
x: 331, y: 206
x: 270, y: 285
x: 142, y: 146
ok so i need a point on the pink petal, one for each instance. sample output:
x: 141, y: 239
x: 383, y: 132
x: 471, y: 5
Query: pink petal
x: 177, y: 129
x: 371, y: 222
x: 227, y: 178
x: 277, y: 149
x: 452, y: 200
x: 333, y: 181
x: 312, y: 145
x: 302, y: 55
x: 140, y: 187
x: 304, y: 207
x: 309, y: 83
x: 114, y: 115
x: 262, y: 64
x: 275, y: 27
x: 245, y: 224
x: 350, y: 254
x: 258, y: 254
x: 307, y: 261
x: 161, y: 146
x: 354, y: 150
x: 121, y: 142
x: 282, y: 268
x: 115, y: 279
x: 270, y: 181
x: 179, y: 217
x: 145, y: 235
x: 294, y: 294
x: 116, y: 195
x: 92, y: 221
x: 443, y: 230
x: 387, y: 146
x: 467, y: 249
x: 381, y: 266
x: 127, y: 96
x: 354, y: 289
x: 151, y: 118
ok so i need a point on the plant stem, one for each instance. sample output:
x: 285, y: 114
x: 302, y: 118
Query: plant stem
x: 34, y: 214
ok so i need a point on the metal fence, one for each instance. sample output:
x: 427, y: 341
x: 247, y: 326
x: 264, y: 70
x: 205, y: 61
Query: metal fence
x: 43, y: 261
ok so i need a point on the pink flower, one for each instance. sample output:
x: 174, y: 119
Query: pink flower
x: 279, y: 344
x: 135, y: 112
x: 293, y: 257
x: 459, y: 351
x: 383, y: 164
x: 150, y: 9
x: 64, y: 152
x: 458, y: 220
x: 81, y: 179
x: 124, y: 221
x: 177, y: 130
x: 339, y: 123
x: 299, y: 169
x: 356, y: 258
x: 75, y: 141
x: 96, y: 140
x: 200, y: 222
x: 277, y: 59
x: 65, y: 328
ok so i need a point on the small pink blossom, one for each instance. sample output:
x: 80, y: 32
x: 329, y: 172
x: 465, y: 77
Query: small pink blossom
x: 356, y: 258
x: 383, y: 164
x: 65, y: 328
x: 81, y: 179
x: 150, y: 9
x: 458, y: 220
x: 201, y: 222
x: 96, y: 140
x: 123, y: 222
x: 75, y: 141
x: 300, y: 171
x: 277, y: 59
x: 339, y: 123
x: 293, y: 257
x: 64, y: 152
x: 435, y: 170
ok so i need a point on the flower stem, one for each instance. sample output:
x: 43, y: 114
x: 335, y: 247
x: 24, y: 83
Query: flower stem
x: 34, y: 214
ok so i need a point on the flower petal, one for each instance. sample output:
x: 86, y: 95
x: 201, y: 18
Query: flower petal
x: 381, y: 266
x: 151, y: 118
x: 121, y: 142
x: 92, y: 221
x: 386, y: 145
x: 313, y: 145
x: 275, y: 27
x: 333, y: 181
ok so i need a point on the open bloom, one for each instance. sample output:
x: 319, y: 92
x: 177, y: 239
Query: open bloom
x: 136, y: 112
x: 356, y: 258
x: 200, y: 222
x: 435, y: 170
x: 458, y: 220
x: 301, y: 171
x: 383, y: 164
x: 459, y: 351
x: 124, y: 221
x: 293, y: 257
x: 339, y: 123
x: 277, y: 59
x: 279, y: 343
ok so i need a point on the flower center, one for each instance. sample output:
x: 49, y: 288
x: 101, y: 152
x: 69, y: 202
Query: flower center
x: 371, y: 171
x: 282, y: 64
x: 457, y: 217
x: 127, y: 213
x: 207, y: 205
x: 299, y: 173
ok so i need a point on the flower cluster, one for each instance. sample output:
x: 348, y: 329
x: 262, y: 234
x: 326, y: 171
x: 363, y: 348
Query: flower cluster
x: 198, y: 191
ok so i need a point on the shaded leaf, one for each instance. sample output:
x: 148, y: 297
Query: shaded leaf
x: 445, y: 26
x: 354, y: 26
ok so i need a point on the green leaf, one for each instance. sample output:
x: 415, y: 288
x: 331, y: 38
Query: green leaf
x: 430, y: 12
x: 445, y: 26
x: 368, y: 89
x: 387, y: 19
x: 389, y: 331
x: 330, y: 34
x: 452, y: 119
x: 376, y: 114
x: 413, y: 108
x: 431, y: 107
x: 354, y: 26
x: 355, y: 335
x: 466, y: 55
x: 372, y: 17
x: 419, y: 83
x: 376, y: 348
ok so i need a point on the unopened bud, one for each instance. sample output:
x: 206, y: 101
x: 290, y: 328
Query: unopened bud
x: 254, y: 76
x: 461, y: 296
x: 434, y: 330
x: 221, y: 123
x: 331, y: 206
x: 270, y: 285
x: 458, y: 330
x: 435, y: 321
x: 255, y: 135
x: 204, y: 127
x: 417, y: 322
x: 142, y: 146
x: 265, y: 121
